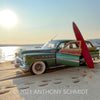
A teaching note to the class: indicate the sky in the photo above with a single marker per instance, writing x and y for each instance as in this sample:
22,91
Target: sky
38,21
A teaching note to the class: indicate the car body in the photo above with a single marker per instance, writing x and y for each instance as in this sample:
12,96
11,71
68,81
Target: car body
53,53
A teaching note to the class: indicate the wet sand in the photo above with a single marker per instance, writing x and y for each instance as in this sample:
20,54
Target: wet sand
16,85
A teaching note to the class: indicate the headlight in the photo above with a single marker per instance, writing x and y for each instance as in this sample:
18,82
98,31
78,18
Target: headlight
24,59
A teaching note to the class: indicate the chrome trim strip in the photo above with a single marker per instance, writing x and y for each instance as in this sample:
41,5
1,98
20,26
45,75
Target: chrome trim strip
46,59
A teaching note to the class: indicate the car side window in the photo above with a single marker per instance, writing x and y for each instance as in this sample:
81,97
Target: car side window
75,46
68,46
88,45
61,45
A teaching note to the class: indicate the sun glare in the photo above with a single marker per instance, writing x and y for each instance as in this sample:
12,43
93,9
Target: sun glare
8,53
7,18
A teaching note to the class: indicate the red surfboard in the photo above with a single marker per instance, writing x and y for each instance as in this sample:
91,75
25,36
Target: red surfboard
85,51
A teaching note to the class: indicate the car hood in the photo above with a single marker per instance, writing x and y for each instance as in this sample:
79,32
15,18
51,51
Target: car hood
37,51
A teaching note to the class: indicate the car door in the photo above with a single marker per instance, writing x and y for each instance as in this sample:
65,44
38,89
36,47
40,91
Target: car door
70,54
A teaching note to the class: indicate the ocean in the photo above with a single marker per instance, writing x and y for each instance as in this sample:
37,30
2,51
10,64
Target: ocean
7,53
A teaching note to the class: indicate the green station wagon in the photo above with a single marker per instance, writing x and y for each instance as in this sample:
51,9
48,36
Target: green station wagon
53,53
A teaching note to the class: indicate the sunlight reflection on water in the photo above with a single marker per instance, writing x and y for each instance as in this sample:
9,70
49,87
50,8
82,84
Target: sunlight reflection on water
7,53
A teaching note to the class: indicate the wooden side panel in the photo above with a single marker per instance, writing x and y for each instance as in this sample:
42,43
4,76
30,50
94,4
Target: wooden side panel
76,52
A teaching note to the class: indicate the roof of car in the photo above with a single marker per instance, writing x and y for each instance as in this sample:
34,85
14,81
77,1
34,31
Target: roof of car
62,40
66,40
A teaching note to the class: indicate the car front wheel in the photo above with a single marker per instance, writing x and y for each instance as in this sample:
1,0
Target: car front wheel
38,67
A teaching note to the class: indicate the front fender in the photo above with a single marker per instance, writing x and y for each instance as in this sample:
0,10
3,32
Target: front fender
47,58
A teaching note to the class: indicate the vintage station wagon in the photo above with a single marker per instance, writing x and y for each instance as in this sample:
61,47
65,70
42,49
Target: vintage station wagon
53,53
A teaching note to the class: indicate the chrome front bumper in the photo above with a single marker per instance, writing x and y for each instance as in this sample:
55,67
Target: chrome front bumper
25,68
21,65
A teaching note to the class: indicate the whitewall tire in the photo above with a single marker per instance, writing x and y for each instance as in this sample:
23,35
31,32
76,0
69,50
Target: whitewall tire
38,67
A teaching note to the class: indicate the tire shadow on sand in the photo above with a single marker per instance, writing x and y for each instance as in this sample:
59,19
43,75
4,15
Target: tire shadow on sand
24,88
10,86
29,83
43,85
4,91
75,79
46,80
57,82
7,87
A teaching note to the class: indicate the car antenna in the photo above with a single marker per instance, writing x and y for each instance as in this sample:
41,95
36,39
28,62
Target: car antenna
54,37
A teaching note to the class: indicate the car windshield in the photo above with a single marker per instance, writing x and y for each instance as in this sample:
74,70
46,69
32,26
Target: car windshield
50,45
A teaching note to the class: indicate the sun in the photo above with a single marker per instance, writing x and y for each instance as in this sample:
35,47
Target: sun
8,18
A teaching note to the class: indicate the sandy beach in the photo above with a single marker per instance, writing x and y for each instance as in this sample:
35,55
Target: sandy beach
56,83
